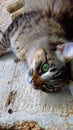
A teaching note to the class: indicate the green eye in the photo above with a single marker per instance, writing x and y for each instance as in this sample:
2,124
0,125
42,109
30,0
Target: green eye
45,67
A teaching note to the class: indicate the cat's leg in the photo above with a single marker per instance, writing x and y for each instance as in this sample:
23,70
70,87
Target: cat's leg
3,52
18,48
4,44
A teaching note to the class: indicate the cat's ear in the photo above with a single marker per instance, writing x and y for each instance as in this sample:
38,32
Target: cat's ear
65,51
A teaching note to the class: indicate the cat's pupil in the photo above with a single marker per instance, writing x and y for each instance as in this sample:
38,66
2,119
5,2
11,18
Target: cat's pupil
45,67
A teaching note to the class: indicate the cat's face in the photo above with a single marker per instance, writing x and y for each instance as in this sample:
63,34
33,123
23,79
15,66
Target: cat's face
49,72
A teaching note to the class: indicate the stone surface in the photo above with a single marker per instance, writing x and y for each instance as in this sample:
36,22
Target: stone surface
20,102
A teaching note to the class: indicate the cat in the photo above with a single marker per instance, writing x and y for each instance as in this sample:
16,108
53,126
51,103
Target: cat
43,36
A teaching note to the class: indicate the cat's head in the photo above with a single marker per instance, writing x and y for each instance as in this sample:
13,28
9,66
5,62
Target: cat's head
49,71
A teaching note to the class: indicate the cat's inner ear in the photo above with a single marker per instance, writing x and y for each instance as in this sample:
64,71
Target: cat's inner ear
65,51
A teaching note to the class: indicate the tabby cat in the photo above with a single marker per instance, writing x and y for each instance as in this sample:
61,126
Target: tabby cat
43,37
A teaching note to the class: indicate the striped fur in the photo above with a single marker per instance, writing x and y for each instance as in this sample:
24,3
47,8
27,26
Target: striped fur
34,36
